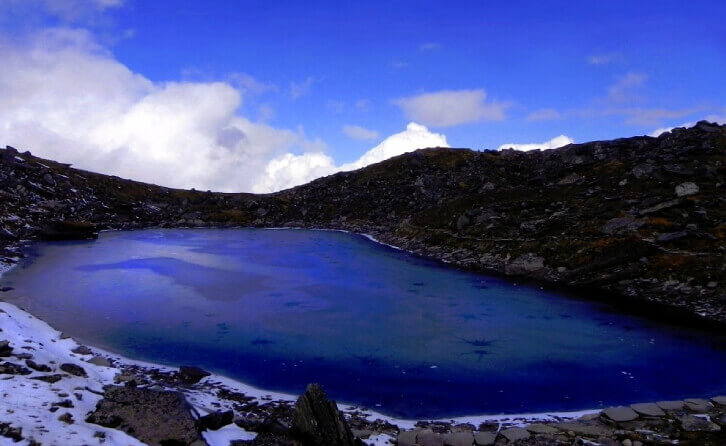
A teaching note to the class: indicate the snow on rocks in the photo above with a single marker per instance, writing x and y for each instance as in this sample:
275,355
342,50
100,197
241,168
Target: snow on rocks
28,403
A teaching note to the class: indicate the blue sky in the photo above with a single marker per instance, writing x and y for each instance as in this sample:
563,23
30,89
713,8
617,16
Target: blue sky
480,73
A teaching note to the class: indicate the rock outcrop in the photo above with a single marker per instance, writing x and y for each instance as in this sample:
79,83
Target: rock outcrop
639,221
317,421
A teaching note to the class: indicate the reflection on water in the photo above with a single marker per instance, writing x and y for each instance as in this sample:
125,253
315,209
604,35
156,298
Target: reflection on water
378,327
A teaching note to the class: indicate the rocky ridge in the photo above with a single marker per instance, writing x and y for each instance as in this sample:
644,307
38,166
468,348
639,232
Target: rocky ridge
637,221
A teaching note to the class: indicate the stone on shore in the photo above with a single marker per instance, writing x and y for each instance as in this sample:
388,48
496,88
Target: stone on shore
191,374
152,416
671,405
73,369
648,409
691,423
620,414
459,439
317,421
515,434
485,438
215,420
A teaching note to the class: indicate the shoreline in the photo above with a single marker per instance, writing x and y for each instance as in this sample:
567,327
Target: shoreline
345,406
205,397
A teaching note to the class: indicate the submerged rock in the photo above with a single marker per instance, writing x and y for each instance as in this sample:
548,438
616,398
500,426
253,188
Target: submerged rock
318,422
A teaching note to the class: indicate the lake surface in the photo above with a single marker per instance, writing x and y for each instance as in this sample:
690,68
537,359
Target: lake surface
376,326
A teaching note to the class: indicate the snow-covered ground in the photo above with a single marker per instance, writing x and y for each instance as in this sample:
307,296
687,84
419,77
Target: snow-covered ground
26,402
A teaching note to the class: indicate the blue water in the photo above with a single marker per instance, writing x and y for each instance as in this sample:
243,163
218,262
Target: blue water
376,326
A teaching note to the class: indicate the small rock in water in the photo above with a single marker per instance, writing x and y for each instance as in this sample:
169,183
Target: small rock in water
191,374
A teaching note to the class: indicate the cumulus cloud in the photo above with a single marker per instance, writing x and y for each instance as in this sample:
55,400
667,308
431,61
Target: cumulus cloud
451,107
291,170
557,141
358,132
65,97
544,114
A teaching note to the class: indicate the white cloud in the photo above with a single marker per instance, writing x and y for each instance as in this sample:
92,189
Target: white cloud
300,89
429,46
622,90
451,107
603,59
291,170
557,141
65,10
66,98
358,132
416,136
362,104
717,118
544,114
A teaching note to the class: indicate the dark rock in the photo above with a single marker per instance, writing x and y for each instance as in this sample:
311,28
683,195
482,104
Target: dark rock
66,418
153,417
215,420
49,378
37,367
68,230
82,350
13,433
5,349
318,422
73,369
8,368
191,374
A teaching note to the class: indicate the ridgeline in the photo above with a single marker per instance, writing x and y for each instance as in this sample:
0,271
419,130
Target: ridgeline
637,221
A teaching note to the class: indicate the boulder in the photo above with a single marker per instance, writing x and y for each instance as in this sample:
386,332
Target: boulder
318,422
190,374
152,416
8,368
691,423
68,230
5,349
525,264
73,369
215,420
620,414
686,189
648,409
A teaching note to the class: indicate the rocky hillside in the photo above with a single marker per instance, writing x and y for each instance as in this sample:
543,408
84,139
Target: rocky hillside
636,220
